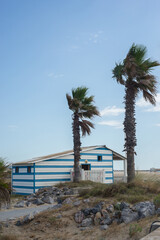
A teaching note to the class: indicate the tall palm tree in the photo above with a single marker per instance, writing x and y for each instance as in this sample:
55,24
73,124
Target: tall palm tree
4,186
135,74
82,107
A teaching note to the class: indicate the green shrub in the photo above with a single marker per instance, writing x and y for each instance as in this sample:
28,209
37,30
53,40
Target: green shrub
156,201
134,229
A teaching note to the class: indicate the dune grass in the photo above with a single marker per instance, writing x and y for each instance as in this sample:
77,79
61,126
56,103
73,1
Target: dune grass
143,188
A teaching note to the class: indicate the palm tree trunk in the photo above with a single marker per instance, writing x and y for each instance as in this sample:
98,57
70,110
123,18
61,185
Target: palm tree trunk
130,129
77,147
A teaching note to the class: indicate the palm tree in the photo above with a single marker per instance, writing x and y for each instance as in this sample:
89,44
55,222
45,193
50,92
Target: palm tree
4,186
135,74
82,107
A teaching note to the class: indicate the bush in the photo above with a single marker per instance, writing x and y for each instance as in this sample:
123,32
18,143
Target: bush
156,201
133,229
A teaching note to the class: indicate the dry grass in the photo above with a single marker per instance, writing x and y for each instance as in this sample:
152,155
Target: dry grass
8,237
141,189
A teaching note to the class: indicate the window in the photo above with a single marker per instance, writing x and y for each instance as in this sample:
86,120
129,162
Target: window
16,169
28,169
99,157
86,167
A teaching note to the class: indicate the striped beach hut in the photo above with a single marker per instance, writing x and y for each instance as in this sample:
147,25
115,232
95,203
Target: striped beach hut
96,164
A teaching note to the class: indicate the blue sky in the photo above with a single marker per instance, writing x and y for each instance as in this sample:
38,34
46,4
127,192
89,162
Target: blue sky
49,47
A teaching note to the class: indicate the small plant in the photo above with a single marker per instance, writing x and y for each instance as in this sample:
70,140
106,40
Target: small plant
134,229
156,201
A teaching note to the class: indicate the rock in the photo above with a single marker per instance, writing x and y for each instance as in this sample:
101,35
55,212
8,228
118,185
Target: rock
28,204
104,213
106,221
124,205
97,218
104,227
18,223
59,200
39,201
67,201
28,218
48,200
110,208
57,206
87,222
158,211
78,217
20,204
86,200
59,216
87,211
145,209
127,215
77,203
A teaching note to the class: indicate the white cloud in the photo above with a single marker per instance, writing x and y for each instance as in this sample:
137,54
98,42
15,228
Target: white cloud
158,124
13,127
52,75
112,123
149,107
96,37
111,111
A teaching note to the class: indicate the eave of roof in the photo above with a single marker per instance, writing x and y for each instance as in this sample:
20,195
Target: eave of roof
116,156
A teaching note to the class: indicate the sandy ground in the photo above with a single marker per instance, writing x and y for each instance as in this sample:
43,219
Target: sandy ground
60,225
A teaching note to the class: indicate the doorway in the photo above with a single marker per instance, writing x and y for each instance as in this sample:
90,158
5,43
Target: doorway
86,167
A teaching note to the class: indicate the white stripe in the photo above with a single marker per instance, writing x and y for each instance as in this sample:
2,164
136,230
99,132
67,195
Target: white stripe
25,177
108,174
23,184
50,176
96,151
39,184
67,157
56,163
52,169
22,190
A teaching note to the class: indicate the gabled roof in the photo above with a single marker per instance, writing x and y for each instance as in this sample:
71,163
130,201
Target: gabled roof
116,156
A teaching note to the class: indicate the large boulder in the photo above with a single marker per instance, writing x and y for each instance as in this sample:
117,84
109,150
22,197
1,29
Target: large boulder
145,209
48,200
20,204
127,215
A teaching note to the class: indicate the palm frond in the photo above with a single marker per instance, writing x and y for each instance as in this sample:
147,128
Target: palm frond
149,97
85,127
79,93
118,73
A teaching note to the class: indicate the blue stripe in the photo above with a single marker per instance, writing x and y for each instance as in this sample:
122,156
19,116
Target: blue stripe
108,172
23,180
101,166
52,180
96,154
81,160
49,173
101,149
28,165
53,166
19,174
109,178
22,187
19,193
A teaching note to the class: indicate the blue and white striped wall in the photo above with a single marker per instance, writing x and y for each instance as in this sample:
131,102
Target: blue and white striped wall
52,171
